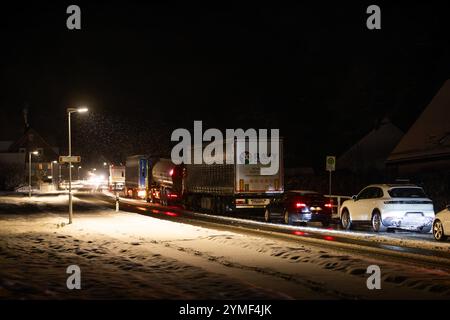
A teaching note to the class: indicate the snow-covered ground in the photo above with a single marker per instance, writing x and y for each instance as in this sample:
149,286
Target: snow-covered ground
129,256
399,238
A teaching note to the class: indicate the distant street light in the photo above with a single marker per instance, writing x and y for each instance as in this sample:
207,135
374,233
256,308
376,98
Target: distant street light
29,167
69,112
79,167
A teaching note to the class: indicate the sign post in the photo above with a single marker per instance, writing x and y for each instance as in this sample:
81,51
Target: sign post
117,196
70,159
330,167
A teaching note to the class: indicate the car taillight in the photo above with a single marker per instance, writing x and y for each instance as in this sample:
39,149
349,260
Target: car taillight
328,205
173,195
300,205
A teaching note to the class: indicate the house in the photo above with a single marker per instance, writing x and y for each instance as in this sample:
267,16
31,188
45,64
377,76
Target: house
14,159
426,145
370,153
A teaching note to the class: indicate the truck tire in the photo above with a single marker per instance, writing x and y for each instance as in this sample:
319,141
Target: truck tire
221,206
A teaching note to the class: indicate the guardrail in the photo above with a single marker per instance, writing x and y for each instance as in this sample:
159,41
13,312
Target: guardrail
337,201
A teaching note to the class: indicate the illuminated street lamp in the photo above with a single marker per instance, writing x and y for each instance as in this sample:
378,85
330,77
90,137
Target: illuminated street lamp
79,167
69,112
29,167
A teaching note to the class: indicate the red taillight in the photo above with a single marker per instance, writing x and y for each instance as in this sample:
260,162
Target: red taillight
300,205
328,205
172,195
171,172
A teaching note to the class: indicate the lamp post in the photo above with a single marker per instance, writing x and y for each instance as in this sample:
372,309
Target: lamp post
29,173
78,175
69,112
60,175
53,173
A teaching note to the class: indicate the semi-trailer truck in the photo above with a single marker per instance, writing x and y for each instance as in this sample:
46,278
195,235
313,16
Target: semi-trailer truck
136,176
152,179
217,187
226,187
116,177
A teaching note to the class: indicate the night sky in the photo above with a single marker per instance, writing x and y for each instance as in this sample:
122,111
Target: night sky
313,71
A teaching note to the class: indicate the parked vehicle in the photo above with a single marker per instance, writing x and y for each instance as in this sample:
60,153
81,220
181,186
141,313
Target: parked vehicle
441,225
389,206
222,188
215,187
152,179
116,177
300,206
164,181
136,176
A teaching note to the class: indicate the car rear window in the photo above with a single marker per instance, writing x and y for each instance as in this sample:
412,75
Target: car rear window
309,197
407,193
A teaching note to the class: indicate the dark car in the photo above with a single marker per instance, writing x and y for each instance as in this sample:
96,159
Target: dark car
300,206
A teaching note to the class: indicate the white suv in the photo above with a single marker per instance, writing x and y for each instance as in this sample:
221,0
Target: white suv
389,206
441,225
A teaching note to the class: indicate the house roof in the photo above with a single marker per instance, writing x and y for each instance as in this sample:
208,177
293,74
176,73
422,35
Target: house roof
429,136
373,149
31,140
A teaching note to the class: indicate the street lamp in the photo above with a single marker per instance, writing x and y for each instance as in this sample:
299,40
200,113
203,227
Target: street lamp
69,112
29,167
79,167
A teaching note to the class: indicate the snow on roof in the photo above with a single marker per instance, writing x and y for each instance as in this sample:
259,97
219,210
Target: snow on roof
429,136
373,149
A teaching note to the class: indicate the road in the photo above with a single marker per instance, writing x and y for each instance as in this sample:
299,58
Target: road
171,253
401,244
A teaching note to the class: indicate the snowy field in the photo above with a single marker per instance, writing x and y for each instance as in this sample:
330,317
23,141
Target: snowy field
129,256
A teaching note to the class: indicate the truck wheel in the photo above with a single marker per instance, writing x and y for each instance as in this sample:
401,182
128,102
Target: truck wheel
221,206
267,216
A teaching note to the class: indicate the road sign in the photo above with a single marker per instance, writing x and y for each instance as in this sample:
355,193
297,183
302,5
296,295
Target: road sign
331,163
73,159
